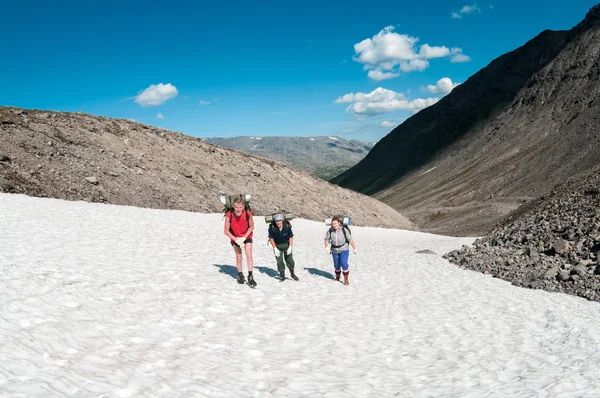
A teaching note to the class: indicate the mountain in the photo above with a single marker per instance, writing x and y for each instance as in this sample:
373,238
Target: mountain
97,159
511,132
324,157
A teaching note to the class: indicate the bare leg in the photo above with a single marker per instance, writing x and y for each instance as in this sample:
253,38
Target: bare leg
249,261
238,257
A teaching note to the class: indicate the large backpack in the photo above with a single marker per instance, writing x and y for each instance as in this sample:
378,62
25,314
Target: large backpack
273,225
344,225
227,201
344,228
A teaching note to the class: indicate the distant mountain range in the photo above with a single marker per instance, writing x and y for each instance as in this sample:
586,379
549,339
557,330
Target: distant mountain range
324,157
511,132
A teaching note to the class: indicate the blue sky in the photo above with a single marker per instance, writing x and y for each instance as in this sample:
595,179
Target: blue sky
353,69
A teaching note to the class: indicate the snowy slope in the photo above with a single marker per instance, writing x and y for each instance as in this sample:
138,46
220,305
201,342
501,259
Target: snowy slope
100,300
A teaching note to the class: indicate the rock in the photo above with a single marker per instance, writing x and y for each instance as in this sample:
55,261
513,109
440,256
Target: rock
529,237
541,246
563,275
551,273
187,173
531,252
113,174
5,185
92,180
580,270
426,251
561,246
4,157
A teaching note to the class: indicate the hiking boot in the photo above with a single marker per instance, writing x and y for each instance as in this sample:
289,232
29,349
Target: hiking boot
294,277
241,280
337,275
346,282
281,276
251,281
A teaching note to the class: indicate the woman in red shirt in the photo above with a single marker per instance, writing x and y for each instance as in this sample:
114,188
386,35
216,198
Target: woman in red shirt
238,228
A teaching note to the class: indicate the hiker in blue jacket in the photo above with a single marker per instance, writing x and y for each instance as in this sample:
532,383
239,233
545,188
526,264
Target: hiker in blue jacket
281,238
340,238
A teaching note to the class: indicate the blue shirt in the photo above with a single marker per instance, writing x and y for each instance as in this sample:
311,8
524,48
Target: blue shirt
282,236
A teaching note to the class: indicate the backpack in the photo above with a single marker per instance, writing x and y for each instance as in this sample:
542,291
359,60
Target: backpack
286,223
227,201
344,228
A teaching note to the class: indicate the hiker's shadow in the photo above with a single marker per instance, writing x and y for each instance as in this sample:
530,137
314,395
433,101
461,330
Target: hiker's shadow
318,272
228,270
269,271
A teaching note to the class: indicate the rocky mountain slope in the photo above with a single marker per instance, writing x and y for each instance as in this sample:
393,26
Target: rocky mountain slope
551,243
511,132
82,157
324,157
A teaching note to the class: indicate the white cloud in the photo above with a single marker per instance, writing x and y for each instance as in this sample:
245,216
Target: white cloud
460,58
415,64
388,53
468,9
380,94
443,86
160,116
156,94
386,123
426,51
378,74
202,102
381,101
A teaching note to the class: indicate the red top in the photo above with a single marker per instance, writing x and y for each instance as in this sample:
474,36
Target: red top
239,225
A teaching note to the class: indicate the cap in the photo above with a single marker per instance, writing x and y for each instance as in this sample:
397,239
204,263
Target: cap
278,217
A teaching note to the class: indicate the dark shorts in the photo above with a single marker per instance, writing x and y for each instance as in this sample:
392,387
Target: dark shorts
249,240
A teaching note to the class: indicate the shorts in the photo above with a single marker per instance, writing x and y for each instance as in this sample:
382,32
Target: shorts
249,240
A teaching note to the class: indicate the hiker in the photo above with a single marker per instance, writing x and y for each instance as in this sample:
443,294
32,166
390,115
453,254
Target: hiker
339,236
238,228
281,238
